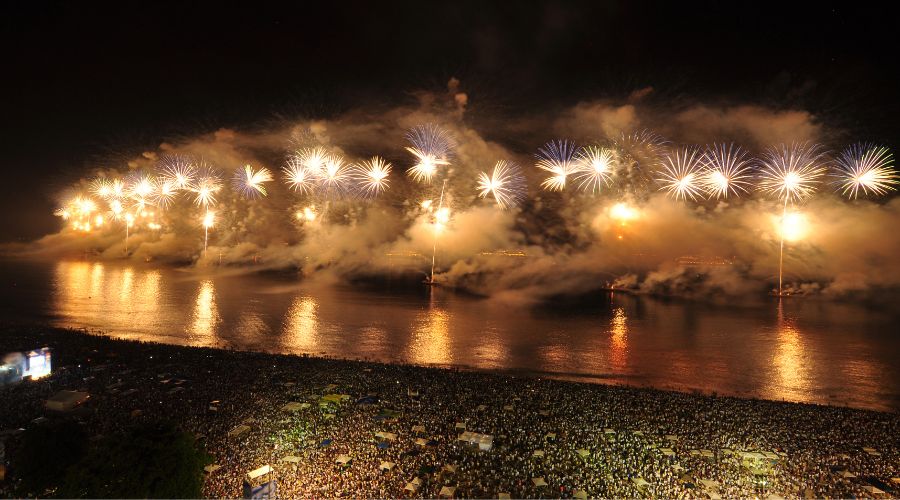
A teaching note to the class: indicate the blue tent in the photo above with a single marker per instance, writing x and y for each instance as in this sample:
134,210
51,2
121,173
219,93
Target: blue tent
265,490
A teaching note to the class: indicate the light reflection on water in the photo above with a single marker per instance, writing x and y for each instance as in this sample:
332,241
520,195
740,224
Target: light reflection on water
800,350
205,318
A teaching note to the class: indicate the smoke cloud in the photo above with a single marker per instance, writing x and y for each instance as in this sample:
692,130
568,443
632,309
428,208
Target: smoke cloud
555,243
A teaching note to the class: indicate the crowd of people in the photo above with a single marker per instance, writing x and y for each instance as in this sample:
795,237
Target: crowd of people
331,428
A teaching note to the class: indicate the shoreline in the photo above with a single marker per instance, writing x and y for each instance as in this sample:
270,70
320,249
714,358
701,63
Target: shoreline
609,380
624,432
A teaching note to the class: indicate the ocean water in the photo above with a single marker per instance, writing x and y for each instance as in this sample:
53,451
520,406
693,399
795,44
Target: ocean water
795,349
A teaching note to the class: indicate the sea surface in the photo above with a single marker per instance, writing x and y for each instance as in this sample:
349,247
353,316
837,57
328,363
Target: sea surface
795,349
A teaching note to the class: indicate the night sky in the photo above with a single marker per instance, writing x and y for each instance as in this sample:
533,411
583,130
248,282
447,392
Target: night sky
83,82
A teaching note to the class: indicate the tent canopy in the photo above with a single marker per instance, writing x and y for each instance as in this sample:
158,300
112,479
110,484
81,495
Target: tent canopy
255,473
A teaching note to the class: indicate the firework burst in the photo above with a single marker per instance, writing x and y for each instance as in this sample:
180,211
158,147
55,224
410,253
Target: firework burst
680,176
557,158
505,183
313,160
298,176
432,147
726,171
205,189
594,168
335,176
372,175
102,187
867,168
792,173
178,170
251,183
165,193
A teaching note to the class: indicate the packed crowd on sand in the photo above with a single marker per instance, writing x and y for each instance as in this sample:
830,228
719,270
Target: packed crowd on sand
366,430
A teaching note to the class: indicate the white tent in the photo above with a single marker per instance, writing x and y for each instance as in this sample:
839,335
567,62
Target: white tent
387,436
538,453
413,485
212,468
291,458
294,406
483,441
419,428
582,452
447,491
667,452
461,425
640,483
343,459
386,466
239,430
538,482
255,473
66,400
449,468
580,494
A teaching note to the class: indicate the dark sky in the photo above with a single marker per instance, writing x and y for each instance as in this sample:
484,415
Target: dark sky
86,80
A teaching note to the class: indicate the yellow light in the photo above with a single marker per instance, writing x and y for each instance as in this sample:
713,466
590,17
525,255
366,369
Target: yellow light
129,220
426,205
623,213
98,220
442,216
307,214
794,226
209,219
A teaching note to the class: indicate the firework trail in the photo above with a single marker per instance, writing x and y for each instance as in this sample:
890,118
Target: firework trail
680,176
727,170
867,168
505,183
557,158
